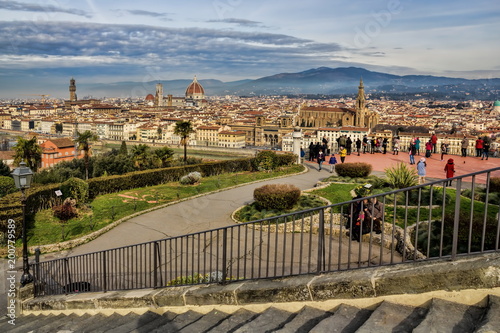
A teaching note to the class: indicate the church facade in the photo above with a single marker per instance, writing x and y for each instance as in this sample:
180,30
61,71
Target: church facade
360,116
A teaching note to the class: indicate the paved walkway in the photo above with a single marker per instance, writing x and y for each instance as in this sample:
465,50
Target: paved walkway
214,210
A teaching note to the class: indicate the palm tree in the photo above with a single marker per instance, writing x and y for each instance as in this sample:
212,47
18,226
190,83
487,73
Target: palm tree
83,141
28,151
184,129
164,156
140,156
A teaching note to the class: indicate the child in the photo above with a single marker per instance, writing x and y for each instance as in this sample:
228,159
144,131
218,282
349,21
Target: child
421,170
449,168
332,162
343,154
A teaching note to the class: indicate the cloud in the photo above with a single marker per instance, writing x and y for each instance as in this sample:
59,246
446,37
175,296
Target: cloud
239,22
146,13
31,7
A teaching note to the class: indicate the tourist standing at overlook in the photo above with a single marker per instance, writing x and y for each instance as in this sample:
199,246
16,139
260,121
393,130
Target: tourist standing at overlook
348,145
395,146
486,149
417,145
428,148
412,151
358,146
464,144
479,147
384,145
434,140
449,168
421,170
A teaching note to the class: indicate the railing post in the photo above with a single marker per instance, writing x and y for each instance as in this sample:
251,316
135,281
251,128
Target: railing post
155,265
456,221
321,241
36,272
104,272
224,255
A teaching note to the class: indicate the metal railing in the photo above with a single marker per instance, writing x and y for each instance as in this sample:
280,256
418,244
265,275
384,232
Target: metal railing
424,222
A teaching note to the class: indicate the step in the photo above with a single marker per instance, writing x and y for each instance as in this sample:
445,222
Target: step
345,318
446,316
305,320
134,322
31,323
234,321
491,320
179,322
269,320
392,317
161,321
206,323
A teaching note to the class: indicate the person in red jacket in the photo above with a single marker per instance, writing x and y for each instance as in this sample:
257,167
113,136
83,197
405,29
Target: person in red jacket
434,140
449,168
479,147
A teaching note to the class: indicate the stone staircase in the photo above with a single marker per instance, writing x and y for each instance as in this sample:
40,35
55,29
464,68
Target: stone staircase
435,315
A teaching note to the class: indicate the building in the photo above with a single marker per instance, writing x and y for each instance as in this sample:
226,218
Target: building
341,116
57,150
231,139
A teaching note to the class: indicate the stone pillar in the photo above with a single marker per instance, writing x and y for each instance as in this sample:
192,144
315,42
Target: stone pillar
297,138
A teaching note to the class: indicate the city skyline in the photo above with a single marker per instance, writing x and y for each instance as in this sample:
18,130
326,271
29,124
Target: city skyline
105,42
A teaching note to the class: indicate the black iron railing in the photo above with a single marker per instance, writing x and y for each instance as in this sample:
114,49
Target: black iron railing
422,222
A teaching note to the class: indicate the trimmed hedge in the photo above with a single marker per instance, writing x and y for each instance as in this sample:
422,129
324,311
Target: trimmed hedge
353,170
277,196
495,184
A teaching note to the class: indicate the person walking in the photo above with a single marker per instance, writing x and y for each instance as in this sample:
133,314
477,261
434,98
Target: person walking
449,169
321,158
464,144
343,154
421,170
412,151
332,161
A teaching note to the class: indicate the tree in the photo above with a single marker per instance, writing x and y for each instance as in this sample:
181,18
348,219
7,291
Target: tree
59,127
140,156
164,155
4,169
83,141
159,131
184,129
28,151
123,149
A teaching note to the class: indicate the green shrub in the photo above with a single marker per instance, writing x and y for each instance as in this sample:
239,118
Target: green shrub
7,186
353,170
265,160
401,176
191,178
77,189
277,196
495,184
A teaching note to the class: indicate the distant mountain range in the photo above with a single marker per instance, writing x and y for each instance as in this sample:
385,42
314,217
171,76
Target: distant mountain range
319,81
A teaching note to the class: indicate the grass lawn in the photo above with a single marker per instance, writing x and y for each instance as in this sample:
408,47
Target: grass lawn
46,229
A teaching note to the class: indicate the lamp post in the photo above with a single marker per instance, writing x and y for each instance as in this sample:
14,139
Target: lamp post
22,177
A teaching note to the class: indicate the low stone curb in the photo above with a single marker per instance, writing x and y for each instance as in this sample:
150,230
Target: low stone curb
471,272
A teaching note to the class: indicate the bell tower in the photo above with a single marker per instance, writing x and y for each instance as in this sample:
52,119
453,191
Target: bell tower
72,90
360,105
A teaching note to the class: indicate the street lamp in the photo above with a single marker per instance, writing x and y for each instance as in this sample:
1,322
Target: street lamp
22,178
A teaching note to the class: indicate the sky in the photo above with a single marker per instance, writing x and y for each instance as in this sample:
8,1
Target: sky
45,43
